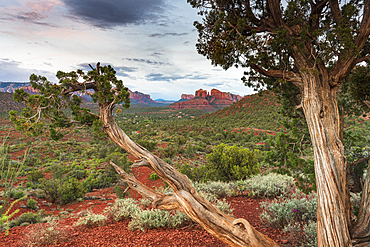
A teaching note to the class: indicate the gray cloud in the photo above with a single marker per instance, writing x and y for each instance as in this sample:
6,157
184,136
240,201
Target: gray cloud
107,14
147,61
120,70
162,77
11,71
30,17
162,35
213,84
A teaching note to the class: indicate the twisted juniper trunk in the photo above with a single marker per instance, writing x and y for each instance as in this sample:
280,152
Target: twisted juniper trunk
232,231
320,108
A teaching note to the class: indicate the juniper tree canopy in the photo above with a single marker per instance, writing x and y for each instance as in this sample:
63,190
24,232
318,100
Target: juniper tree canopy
310,47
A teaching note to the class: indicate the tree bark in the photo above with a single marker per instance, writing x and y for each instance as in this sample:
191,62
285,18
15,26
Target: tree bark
334,210
230,230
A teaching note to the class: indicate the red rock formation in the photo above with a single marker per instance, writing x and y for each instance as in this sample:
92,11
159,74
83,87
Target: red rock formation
186,97
140,98
201,93
217,100
198,103
217,94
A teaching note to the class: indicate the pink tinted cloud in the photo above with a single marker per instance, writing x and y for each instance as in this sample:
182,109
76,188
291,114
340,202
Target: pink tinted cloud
43,6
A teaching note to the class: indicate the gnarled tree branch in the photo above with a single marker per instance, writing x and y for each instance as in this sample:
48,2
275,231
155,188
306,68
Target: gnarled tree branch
287,75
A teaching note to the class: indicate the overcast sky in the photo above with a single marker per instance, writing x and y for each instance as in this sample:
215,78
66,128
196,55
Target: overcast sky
150,43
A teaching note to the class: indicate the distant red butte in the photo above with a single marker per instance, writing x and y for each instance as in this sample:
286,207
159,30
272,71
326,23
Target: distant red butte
140,98
205,101
185,97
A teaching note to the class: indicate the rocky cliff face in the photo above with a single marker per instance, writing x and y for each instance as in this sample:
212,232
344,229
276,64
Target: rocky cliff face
140,98
207,102
10,87
185,97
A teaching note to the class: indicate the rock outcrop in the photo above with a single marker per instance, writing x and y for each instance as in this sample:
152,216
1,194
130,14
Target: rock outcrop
205,101
185,97
140,98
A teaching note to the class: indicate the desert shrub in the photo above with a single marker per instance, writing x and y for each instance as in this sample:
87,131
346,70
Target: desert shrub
46,234
70,190
154,218
284,211
32,160
63,192
120,160
167,152
189,151
270,185
148,144
31,203
50,188
179,139
101,179
302,234
153,176
29,217
58,171
218,188
78,174
120,192
227,163
91,220
18,194
194,173
35,176
122,209
221,204
145,202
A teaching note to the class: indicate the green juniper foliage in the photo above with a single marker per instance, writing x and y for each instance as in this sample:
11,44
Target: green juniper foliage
49,106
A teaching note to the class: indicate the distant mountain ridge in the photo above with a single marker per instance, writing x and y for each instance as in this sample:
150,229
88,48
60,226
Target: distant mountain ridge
135,97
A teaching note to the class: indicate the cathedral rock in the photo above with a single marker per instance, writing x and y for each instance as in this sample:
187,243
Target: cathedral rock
205,101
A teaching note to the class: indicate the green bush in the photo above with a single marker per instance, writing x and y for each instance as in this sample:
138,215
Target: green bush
50,187
228,163
180,140
120,192
18,194
91,220
217,188
284,211
194,173
70,190
155,218
29,217
270,185
35,176
302,234
78,174
149,145
122,209
153,177
63,192
31,203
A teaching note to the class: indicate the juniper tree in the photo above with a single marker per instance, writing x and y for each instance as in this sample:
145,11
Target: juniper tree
310,46
58,107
